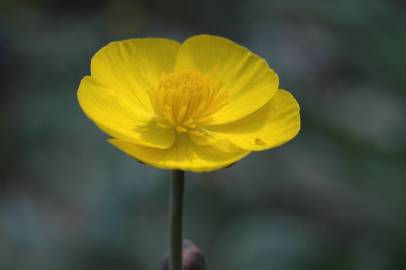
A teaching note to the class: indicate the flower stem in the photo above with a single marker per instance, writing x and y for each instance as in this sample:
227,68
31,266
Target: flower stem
175,222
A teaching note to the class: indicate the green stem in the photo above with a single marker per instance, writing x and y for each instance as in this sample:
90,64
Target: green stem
175,222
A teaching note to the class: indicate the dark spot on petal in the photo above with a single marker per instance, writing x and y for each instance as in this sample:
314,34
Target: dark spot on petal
258,141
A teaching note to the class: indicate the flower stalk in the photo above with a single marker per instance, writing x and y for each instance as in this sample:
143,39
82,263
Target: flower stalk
175,219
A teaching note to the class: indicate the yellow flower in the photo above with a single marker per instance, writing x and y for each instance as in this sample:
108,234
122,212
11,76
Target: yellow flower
199,106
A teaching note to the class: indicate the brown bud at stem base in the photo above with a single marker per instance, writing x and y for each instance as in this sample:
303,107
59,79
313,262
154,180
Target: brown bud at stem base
193,257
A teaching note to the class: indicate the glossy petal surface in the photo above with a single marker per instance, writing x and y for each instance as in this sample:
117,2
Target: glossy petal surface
184,154
246,77
275,123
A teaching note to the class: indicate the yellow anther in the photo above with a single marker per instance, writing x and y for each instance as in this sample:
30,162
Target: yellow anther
181,129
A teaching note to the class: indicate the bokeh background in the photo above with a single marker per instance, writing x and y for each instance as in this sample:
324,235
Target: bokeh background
334,198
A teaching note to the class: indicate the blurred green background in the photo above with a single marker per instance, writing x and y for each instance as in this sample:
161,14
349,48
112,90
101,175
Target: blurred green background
333,198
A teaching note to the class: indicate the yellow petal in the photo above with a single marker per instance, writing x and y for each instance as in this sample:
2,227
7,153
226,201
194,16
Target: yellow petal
274,124
183,155
132,67
116,116
247,78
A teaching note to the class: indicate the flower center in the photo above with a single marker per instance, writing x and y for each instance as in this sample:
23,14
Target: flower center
185,100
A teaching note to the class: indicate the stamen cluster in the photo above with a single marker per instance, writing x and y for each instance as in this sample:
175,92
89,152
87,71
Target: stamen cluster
185,100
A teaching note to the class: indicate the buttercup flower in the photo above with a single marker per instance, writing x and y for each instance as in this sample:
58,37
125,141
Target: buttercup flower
199,106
